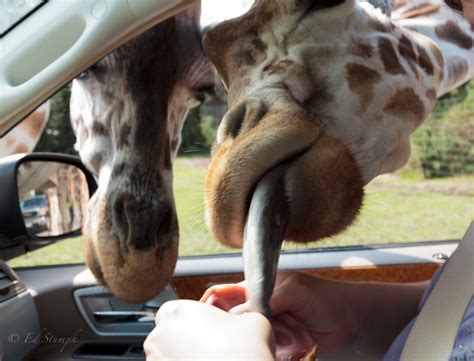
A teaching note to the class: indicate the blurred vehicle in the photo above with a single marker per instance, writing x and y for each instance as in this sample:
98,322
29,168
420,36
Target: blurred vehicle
35,211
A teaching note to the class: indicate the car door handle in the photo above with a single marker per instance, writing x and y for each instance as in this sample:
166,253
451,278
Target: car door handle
123,316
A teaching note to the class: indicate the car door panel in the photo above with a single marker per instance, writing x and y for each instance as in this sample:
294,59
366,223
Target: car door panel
63,312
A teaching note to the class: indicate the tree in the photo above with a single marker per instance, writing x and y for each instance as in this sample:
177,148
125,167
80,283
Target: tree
58,136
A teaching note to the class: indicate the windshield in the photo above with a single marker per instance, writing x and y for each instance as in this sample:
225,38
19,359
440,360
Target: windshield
12,12
34,202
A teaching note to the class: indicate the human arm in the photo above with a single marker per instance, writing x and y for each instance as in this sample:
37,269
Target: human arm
364,315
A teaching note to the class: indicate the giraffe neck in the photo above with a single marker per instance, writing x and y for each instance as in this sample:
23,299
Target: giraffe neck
396,69
451,33
25,136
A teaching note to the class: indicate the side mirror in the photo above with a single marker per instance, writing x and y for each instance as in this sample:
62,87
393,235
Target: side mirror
43,197
53,197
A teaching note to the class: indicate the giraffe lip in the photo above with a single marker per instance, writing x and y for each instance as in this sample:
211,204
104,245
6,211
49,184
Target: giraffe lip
237,166
236,240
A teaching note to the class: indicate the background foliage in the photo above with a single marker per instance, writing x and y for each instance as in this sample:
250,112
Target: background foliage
58,136
444,145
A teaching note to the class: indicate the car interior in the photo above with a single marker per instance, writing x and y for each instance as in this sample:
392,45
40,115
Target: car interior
61,312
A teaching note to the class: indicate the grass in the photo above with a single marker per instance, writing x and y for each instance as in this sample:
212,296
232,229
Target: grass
397,209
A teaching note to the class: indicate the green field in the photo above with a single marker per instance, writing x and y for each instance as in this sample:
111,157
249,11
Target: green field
396,209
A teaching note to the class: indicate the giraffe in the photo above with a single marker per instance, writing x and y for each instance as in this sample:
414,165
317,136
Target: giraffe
332,89
323,97
24,137
127,112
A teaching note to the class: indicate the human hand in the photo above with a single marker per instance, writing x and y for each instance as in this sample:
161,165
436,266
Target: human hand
318,305
188,329
335,314
327,308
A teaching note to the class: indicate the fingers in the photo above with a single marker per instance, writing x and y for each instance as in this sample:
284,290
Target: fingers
224,297
288,294
232,297
189,329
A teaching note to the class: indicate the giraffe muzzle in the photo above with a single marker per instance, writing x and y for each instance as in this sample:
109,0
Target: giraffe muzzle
131,242
322,182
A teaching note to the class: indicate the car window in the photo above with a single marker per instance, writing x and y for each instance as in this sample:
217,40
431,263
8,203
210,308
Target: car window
13,12
35,201
430,199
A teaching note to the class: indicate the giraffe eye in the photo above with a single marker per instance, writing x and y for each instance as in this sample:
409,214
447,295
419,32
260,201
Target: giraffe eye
84,75
203,93
454,4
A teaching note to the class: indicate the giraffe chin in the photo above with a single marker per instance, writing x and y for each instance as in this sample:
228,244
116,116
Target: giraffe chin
323,184
132,275
137,278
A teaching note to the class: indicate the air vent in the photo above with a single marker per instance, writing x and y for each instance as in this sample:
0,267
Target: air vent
10,284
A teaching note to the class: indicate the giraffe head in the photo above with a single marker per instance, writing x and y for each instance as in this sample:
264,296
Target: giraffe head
127,112
333,90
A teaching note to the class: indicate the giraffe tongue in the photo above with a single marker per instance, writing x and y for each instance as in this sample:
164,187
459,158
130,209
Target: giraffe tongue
263,236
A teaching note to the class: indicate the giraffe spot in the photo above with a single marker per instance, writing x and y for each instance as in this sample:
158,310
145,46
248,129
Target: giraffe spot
119,169
424,60
431,94
21,148
405,48
453,33
389,57
457,70
98,129
437,54
358,49
361,80
123,136
406,104
96,161
420,9
263,15
382,26
244,57
259,45
34,123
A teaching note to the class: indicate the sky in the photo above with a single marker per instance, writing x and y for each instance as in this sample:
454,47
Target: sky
214,11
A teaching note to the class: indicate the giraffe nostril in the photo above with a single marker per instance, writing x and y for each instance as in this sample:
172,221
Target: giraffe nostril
119,218
165,224
141,222
241,117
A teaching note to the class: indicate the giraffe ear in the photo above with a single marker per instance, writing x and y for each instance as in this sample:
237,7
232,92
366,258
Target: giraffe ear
216,47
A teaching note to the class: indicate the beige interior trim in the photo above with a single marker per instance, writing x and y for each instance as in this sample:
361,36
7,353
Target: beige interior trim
434,332
61,39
